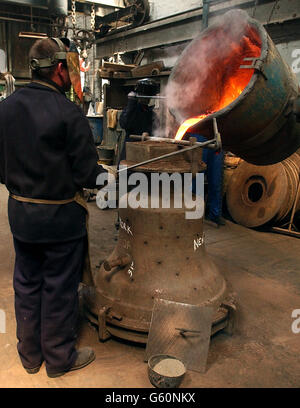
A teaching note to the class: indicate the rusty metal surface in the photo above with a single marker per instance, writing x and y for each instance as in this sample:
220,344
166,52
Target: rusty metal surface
137,152
231,162
223,319
181,330
141,151
256,194
168,260
252,126
260,194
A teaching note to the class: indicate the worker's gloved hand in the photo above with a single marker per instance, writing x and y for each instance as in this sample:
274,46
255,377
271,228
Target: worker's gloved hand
132,95
111,169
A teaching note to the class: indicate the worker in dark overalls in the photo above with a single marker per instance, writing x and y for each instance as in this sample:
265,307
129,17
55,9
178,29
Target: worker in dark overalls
138,117
214,174
47,155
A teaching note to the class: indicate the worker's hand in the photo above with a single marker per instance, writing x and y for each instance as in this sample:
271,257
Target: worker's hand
111,169
132,95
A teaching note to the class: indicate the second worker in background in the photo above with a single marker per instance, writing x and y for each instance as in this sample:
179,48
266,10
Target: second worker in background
139,117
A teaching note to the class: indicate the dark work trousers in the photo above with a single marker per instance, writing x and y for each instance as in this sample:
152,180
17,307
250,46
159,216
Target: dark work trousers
214,172
46,280
215,163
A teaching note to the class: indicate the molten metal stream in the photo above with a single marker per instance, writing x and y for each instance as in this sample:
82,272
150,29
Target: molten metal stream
188,124
230,86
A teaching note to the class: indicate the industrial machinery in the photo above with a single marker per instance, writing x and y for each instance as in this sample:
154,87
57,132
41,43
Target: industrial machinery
264,194
134,13
230,78
234,73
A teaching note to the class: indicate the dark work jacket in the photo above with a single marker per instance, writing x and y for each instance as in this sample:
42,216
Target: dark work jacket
46,152
137,119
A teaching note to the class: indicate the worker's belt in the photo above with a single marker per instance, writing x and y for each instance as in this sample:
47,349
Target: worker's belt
87,276
39,201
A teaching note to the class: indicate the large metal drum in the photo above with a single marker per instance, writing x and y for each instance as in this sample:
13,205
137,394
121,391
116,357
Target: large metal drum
258,195
259,124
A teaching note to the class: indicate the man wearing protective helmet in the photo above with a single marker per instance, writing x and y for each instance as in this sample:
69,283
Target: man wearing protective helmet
47,156
138,117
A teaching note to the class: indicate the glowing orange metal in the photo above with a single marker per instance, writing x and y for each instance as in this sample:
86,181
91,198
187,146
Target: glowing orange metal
233,85
188,124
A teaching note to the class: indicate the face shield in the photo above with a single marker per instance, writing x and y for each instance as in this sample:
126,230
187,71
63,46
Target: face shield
145,90
147,87
67,52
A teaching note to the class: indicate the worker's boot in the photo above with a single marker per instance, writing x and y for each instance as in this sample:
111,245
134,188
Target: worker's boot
33,370
85,356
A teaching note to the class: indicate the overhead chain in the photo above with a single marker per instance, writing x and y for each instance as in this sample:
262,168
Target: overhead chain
93,17
73,16
84,39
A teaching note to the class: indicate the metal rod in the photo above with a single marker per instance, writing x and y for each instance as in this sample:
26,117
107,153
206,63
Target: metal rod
286,232
27,21
163,140
101,4
18,19
209,143
217,134
150,97
10,13
205,13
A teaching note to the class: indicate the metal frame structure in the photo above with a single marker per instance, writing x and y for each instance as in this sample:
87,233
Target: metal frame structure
44,3
183,27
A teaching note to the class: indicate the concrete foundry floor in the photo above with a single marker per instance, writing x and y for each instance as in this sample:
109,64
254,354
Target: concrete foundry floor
262,268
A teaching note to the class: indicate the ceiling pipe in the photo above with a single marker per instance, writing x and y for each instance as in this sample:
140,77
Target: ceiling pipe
56,8
20,20
30,3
